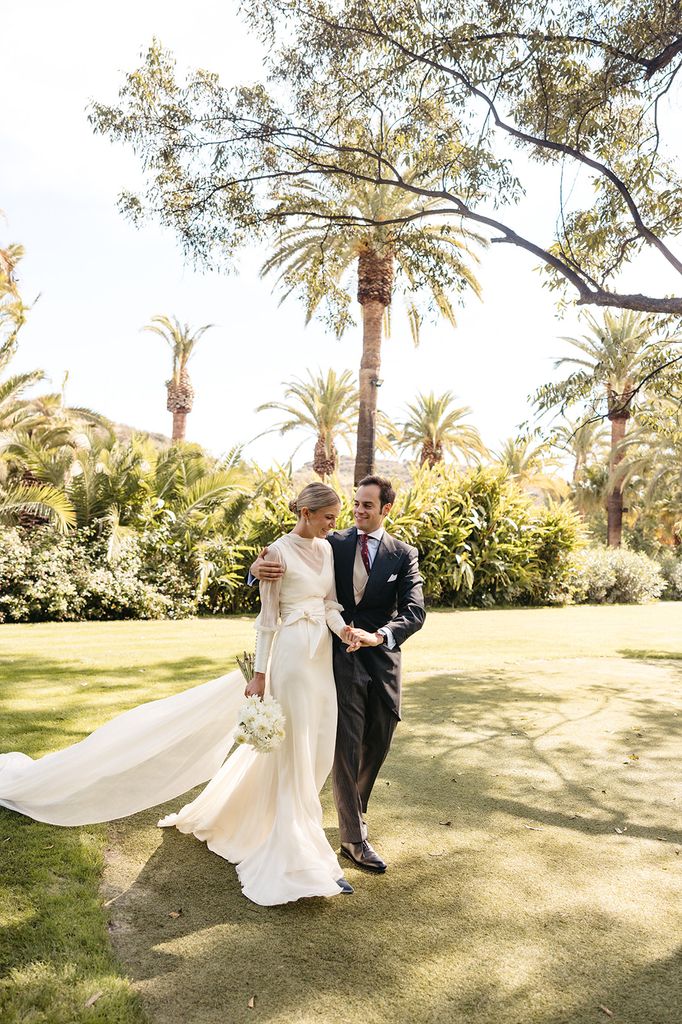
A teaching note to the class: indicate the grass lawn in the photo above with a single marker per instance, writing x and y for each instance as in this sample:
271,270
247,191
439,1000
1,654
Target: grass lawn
530,812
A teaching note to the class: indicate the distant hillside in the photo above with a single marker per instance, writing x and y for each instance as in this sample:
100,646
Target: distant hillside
397,472
124,432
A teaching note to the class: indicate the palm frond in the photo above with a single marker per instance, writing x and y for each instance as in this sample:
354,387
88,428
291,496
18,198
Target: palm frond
40,500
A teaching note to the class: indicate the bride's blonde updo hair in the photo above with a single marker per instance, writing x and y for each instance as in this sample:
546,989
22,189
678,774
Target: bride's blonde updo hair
314,497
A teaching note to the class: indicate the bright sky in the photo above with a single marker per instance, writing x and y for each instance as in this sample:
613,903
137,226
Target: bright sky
100,280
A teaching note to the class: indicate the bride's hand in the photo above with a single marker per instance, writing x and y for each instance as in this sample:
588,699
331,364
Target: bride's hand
256,688
362,638
350,637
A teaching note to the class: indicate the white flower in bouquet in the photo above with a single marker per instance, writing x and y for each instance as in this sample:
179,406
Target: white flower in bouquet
261,724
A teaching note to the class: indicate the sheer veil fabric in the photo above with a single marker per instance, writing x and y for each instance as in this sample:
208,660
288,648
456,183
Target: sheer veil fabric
260,811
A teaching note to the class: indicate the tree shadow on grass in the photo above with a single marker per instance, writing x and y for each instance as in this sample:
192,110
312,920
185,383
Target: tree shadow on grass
497,826
48,669
650,654
514,892
566,771
418,944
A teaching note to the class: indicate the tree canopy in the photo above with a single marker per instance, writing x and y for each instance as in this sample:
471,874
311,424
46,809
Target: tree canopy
476,91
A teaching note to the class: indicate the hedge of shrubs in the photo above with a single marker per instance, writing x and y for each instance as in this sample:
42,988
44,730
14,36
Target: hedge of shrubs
616,576
482,542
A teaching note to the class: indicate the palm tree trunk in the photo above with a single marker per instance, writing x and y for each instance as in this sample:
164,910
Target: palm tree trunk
324,458
372,322
179,424
375,286
31,520
614,501
431,453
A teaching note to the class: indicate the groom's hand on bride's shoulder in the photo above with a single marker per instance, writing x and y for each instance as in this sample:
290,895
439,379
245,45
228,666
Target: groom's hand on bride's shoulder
261,569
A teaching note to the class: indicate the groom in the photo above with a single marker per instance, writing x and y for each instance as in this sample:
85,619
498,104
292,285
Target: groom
380,587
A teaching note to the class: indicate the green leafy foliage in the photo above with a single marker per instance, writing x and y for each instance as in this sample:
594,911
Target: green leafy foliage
483,542
48,577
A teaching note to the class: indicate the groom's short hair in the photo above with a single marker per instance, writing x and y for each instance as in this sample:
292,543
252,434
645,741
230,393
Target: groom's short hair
386,489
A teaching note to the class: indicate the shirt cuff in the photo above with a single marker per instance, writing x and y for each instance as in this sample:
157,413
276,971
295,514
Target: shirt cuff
390,639
250,580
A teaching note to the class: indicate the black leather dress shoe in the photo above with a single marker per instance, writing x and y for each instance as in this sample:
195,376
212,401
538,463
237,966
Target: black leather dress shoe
363,856
345,887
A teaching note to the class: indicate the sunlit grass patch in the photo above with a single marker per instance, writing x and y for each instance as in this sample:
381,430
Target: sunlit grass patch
529,812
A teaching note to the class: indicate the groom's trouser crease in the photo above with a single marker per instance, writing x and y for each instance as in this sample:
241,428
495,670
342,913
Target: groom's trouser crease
365,729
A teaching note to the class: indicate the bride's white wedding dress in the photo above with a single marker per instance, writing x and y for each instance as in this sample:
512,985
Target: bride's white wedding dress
260,811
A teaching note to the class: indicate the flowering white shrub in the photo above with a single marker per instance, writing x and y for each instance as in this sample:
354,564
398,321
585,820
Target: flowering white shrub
671,567
44,576
39,580
616,576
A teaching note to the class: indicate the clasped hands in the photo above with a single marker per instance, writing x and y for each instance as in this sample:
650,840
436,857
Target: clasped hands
357,638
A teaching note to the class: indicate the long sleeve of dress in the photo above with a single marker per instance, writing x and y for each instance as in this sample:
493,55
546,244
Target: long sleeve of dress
332,610
268,619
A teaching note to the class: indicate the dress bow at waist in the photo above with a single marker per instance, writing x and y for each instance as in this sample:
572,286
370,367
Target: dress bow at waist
313,614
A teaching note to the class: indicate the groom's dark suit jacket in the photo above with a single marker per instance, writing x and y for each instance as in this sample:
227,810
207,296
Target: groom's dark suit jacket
393,597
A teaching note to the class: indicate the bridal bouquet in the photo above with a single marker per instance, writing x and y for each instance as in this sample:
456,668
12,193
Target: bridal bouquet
261,722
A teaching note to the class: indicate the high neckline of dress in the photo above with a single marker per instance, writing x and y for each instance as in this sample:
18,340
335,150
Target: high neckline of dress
307,541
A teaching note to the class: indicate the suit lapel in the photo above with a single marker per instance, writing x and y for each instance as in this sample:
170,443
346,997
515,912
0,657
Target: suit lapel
343,562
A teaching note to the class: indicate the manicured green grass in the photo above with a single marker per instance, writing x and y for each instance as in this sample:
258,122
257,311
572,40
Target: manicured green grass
529,811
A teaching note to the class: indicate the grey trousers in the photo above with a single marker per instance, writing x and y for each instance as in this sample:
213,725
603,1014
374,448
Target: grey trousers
365,729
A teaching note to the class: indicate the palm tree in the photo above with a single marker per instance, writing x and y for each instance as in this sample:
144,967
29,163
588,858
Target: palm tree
182,342
434,427
12,387
614,355
324,406
585,442
427,259
36,500
39,444
12,317
9,259
114,486
26,500
188,481
527,462
652,457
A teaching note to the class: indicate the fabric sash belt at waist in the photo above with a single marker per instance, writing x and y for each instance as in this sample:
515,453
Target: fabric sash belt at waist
313,615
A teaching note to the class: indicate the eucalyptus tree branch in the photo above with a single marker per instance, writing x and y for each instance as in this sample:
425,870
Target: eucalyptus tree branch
549,144
589,292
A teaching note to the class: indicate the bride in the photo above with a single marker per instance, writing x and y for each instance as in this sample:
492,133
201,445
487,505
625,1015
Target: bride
260,811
